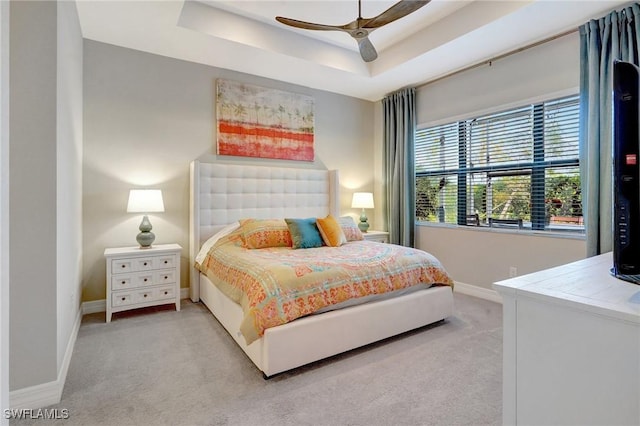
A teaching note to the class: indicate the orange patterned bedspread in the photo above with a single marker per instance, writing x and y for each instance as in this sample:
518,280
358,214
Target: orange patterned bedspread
279,284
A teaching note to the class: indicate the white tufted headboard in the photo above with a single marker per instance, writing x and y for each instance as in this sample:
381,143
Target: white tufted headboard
223,193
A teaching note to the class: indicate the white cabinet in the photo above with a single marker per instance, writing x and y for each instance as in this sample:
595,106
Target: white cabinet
379,236
571,346
137,278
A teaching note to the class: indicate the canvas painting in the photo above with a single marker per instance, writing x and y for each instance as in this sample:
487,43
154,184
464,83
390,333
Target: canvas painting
254,121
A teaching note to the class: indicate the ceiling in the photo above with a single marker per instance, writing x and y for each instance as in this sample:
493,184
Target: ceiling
440,38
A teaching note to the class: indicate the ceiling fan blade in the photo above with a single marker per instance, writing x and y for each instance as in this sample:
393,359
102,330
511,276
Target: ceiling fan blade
397,11
307,25
360,28
367,51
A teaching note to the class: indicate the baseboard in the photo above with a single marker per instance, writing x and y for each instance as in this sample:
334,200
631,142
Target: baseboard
50,393
94,306
475,291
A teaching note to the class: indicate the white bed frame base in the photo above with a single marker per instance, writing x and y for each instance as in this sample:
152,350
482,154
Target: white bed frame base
320,336
314,337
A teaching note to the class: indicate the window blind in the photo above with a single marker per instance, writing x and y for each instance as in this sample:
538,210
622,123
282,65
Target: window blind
517,168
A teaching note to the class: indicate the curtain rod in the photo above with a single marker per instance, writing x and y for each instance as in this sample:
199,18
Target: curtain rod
504,55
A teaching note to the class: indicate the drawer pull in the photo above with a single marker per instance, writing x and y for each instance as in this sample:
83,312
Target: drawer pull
145,295
166,277
145,263
123,282
166,292
145,280
123,266
166,261
124,298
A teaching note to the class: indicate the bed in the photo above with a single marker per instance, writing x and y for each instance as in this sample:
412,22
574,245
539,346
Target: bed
222,194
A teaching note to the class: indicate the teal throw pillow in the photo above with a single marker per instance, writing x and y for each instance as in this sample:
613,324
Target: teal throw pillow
304,233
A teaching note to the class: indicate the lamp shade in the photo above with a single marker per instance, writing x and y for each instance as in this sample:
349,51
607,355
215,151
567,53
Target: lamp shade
362,200
145,201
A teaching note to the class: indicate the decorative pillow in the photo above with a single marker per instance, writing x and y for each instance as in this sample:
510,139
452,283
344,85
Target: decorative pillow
304,233
264,233
350,229
331,231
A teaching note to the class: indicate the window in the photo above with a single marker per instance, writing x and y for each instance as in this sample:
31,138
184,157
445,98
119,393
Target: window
517,168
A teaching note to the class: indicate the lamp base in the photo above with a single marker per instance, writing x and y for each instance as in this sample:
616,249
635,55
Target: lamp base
145,238
363,225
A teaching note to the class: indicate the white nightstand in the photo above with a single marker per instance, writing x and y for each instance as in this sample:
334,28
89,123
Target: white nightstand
378,236
137,278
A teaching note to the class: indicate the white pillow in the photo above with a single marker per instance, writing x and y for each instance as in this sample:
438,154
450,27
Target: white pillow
204,250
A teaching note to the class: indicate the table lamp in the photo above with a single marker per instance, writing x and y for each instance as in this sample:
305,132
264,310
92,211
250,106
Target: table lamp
145,201
362,200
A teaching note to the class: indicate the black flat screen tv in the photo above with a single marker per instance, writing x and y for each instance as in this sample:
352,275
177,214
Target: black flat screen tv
626,171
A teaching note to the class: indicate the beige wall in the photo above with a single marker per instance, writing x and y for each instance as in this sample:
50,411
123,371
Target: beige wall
146,117
45,143
479,257
32,194
68,174
4,207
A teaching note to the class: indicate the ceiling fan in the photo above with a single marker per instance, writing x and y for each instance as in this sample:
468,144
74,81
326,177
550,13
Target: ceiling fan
362,27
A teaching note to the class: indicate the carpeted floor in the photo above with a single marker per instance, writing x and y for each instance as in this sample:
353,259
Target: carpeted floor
162,367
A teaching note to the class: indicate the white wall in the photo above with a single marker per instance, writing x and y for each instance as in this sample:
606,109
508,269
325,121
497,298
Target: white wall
146,117
4,208
481,258
68,175
551,69
45,139
33,194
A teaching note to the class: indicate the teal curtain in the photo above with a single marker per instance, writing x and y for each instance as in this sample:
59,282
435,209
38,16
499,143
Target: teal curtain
399,134
614,36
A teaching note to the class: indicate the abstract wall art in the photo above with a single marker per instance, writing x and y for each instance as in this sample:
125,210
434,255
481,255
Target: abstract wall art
254,121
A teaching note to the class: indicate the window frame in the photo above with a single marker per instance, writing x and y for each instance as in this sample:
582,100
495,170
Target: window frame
536,167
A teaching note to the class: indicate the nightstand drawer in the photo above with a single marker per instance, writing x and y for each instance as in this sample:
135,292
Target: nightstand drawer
119,266
164,277
166,292
121,299
143,264
138,296
142,296
164,262
121,282
377,236
153,294
143,278
132,297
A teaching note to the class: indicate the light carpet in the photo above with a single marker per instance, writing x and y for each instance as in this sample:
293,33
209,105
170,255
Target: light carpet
163,367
